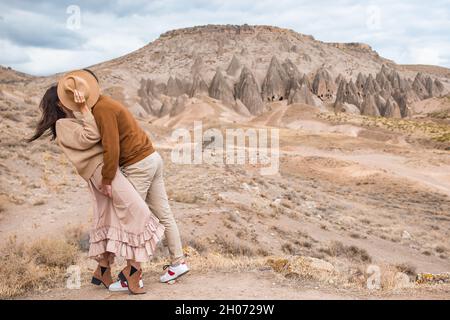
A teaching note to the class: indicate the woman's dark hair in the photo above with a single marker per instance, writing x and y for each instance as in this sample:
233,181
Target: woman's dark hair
91,72
51,112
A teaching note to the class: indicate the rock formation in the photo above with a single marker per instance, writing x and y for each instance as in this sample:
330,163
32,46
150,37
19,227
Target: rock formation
247,91
176,87
240,108
360,82
380,102
276,83
197,66
323,85
199,86
347,93
305,81
392,110
234,67
179,105
385,93
166,107
405,100
419,86
294,75
369,87
220,89
302,94
338,79
147,98
434,88
348,108
369,107
439,87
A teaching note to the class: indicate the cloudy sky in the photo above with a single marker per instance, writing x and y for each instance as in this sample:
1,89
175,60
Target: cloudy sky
44,37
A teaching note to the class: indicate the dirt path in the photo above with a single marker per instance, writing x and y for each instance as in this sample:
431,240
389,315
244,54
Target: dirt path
436,177
244,286
214,285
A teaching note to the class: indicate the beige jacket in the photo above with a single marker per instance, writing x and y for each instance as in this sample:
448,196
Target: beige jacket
79,139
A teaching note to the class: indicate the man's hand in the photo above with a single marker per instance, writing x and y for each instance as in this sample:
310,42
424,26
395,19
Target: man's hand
106,190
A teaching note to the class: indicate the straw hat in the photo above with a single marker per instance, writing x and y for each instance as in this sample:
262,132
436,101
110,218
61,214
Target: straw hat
82,81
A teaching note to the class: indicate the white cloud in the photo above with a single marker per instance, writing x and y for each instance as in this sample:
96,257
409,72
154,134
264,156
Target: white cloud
12,54
407,31
425,56
49,61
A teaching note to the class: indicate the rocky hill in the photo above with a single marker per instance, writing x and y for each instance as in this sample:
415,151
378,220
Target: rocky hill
248,67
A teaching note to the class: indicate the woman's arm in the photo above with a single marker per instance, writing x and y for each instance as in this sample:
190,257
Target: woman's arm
80,133
90,132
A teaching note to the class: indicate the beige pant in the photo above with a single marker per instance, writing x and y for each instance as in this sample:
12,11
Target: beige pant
147,178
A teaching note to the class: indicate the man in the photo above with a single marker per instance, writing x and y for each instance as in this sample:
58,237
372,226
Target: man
127,146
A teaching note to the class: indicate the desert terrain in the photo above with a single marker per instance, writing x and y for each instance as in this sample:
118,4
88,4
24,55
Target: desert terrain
363,181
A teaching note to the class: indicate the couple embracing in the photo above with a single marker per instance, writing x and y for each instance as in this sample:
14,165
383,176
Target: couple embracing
124,173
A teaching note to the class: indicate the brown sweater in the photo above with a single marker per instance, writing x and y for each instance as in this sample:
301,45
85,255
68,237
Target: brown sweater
79,139
124,142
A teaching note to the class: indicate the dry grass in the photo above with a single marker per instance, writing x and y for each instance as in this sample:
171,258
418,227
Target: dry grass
390,277
199,245
185,197
407,268
52,253
288,248
441,114
353,253
441,249
215,261
436,131
445,137
37,266
13,116
234,247
78,236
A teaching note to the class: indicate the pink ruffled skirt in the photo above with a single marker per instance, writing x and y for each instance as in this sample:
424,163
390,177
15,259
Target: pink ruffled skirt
123,225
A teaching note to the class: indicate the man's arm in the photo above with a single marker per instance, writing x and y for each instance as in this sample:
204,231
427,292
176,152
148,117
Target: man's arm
109,132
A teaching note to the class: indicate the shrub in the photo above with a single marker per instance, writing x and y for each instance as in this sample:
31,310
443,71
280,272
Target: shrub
37,266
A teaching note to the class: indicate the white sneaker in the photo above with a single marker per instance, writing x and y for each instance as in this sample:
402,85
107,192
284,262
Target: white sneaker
174,272
120,285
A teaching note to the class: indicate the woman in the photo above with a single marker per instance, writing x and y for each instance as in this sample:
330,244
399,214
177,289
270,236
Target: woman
123,224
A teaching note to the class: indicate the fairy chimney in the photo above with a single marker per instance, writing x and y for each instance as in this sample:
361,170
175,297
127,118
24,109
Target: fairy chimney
220,89
199,86
247,91
323,85
276,83
302,94
369,107
234,66
392,110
